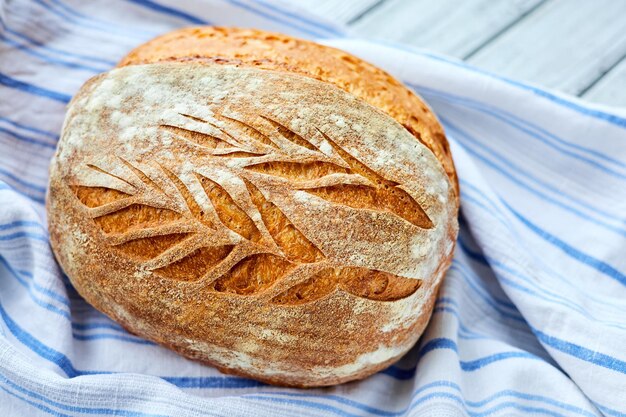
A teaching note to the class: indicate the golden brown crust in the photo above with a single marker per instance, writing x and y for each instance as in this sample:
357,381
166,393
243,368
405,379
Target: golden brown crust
261,221
274,51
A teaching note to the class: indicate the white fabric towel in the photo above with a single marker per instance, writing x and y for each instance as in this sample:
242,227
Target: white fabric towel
531,318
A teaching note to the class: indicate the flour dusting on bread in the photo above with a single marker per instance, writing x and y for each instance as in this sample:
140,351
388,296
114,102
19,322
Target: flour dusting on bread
264,221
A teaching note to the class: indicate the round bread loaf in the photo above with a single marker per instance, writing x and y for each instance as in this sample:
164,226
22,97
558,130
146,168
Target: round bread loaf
276,208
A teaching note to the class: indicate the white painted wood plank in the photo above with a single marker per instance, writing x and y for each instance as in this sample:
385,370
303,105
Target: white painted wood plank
448,26
565,44
341,11
611,89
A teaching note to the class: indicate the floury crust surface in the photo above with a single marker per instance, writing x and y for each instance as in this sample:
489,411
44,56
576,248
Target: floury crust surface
152,156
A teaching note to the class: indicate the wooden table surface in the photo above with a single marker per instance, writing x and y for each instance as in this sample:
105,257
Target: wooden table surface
575,46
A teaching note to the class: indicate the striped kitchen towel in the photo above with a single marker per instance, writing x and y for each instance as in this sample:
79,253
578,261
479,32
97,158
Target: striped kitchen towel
531,318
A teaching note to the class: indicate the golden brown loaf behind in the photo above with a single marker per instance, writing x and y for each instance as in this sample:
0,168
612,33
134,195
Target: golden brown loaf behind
256,202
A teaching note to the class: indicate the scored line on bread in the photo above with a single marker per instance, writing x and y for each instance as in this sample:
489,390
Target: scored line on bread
172,254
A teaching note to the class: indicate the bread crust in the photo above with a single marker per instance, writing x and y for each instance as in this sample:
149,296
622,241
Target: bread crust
275,51
265,222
